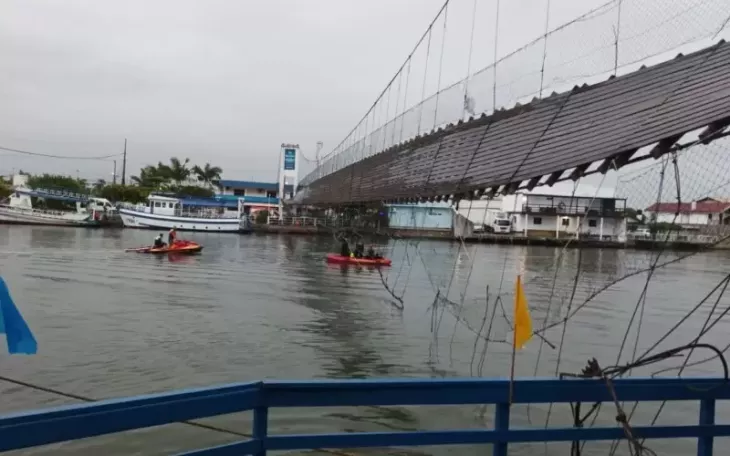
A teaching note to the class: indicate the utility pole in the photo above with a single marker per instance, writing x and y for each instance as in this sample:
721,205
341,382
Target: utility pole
124,163
114,176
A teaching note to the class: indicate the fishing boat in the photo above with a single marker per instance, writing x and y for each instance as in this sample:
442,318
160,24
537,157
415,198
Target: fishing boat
339,259
178,247
186,214
18,209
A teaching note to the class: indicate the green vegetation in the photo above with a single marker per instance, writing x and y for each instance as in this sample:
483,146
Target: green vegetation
173,178
57,182
175,174
4,189
262,217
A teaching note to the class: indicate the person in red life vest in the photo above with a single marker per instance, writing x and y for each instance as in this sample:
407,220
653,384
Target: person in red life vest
171,237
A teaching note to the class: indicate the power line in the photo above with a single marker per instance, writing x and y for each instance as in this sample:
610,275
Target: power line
38,154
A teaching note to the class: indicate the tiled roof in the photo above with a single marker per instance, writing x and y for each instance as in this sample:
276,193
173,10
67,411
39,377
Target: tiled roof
709,207
606,121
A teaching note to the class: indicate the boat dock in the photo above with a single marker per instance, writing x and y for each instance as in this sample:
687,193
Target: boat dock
29,429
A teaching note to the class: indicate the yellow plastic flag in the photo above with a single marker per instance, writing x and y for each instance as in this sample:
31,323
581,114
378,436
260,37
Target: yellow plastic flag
523,322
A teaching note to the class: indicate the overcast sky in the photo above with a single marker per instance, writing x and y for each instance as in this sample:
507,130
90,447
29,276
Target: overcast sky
218,81
226,81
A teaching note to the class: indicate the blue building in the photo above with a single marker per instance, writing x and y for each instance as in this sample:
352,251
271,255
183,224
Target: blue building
257,195
421,216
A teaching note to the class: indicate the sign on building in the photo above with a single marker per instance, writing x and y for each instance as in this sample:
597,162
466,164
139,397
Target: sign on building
290,159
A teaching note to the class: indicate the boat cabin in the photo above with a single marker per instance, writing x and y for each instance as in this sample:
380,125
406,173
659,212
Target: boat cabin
163,205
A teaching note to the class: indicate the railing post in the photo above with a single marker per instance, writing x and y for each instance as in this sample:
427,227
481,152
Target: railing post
501,423
261,427
707,418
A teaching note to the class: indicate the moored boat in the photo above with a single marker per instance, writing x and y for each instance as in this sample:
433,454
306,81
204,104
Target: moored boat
19,209
339,259
185,214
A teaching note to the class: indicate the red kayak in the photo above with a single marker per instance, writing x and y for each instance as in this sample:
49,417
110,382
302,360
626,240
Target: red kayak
339,259
176,247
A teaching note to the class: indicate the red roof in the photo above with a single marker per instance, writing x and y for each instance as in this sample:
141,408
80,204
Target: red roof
700,206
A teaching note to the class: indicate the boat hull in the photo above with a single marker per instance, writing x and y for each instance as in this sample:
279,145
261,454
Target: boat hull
339,259
18,216
143,220
186,250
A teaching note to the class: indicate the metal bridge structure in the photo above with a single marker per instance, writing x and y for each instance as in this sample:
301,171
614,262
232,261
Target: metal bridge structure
647,94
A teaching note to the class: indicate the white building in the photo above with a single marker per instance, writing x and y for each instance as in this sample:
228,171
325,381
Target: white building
707,211
541,215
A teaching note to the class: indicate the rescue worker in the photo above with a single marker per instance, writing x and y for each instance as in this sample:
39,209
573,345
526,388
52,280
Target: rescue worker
171,237
158,241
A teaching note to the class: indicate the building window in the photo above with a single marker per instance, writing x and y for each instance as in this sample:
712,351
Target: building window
239,192
592,223
709,217
566,222
260,190
537,220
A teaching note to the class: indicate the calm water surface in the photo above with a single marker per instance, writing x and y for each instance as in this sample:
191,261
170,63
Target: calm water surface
111,324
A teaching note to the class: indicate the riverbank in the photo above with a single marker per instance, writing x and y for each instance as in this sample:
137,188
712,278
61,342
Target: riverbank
487,238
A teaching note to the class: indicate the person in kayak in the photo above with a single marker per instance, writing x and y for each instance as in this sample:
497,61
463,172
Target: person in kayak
158,241
370,253
171,237
359,250
345,249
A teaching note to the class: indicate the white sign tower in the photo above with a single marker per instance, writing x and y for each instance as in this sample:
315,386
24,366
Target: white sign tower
288,171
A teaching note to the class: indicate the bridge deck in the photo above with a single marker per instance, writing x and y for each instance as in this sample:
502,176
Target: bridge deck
607,121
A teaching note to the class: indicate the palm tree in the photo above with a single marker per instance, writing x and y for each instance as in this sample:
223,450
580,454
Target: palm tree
149,177
177,171
99,184
208,174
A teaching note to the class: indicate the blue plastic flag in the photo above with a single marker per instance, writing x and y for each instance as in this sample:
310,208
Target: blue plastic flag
20,339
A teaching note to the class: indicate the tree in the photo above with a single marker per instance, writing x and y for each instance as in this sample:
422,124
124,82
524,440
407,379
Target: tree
208,174
150,177
5,189
116,193
99,185
57,182
176,171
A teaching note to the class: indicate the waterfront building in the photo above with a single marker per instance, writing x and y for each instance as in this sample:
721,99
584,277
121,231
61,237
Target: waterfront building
556,216
706,211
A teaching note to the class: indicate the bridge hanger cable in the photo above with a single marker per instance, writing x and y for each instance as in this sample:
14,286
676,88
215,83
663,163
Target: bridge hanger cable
406,62
441,66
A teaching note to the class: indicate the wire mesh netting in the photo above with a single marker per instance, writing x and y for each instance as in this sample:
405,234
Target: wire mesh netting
613,38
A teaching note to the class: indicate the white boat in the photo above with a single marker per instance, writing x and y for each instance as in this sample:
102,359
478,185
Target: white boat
19,209
186,214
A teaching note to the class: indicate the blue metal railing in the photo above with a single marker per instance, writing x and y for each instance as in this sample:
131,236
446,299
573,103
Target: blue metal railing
80,421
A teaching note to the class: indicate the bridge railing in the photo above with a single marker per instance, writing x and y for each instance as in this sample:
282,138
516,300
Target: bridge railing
42,427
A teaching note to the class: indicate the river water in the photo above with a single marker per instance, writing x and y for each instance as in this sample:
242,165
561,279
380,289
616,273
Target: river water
111,324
